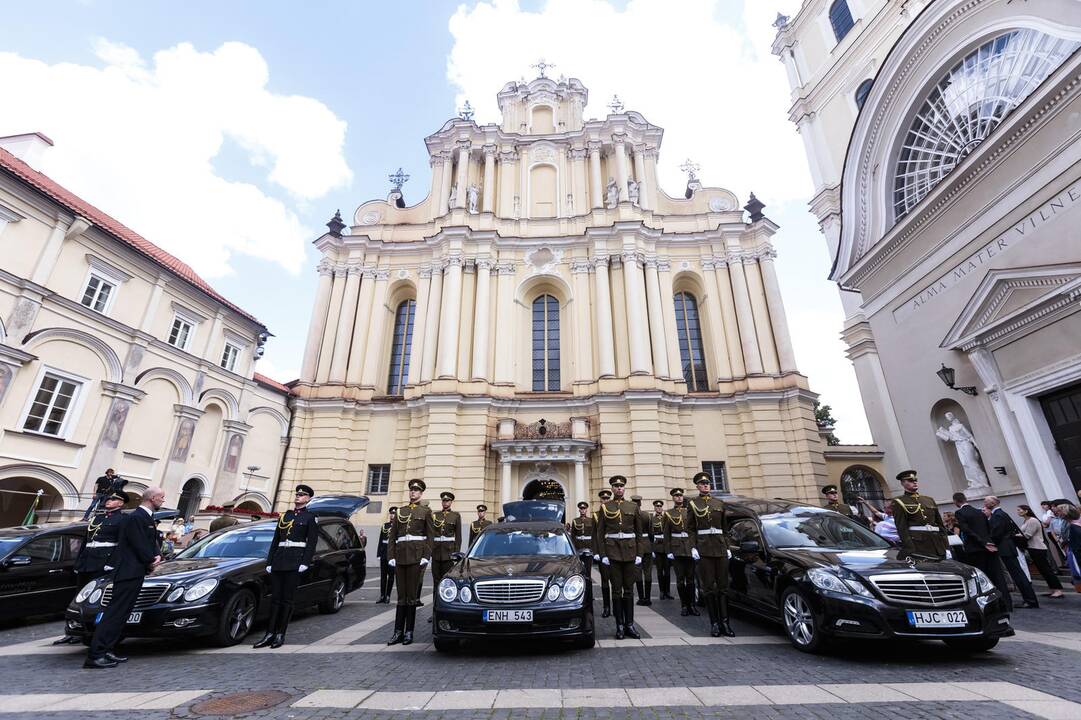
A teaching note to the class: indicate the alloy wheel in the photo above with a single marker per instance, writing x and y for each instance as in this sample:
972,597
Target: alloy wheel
338,599
798,619
243,614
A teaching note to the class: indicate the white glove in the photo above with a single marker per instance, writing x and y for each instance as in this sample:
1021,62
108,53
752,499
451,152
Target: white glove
729,553
637,560
268,568
949,555
604,560
392,562
303,568
671,556
423,562
694,554
597,557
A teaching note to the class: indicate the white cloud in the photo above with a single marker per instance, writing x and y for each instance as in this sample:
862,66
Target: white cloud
139,140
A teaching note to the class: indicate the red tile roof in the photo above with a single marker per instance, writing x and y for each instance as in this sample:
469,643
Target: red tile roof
272,384
124,234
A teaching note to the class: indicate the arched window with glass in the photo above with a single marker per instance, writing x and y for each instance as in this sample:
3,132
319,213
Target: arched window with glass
840,19
545,344
689,330
400,346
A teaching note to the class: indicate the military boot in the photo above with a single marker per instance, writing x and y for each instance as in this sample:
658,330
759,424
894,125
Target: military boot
689,588
684,606
399,625
714,612
410,620
648,599
606,599
619,611
722,616
628,619
267,639
638,589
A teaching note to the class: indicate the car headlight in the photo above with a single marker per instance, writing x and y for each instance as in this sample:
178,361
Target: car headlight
826,580
983,583
85,592
465,594
95,596
175,594
200,589
574,587
448,590
553,593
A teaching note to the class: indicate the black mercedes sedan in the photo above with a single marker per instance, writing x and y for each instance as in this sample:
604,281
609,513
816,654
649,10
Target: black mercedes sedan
218,588
826,577
521,579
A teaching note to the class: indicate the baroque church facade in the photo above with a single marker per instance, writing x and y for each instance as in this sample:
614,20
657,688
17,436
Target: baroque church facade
547,317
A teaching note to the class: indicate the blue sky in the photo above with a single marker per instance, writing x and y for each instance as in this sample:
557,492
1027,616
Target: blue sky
323,99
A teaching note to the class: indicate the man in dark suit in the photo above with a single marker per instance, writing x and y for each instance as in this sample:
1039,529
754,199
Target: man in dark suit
979,551
1003,529
137,551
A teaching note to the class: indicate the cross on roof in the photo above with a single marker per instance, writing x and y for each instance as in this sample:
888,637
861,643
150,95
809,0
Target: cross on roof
542,66
398,179
616,105
466,111
691,168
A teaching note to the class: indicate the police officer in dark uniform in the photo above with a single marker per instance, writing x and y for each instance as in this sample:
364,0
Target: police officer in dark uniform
479,524
660,557
919,523
604,570
677,549
410,550
581,532
386,572
290,555
621,542
710,549
643,576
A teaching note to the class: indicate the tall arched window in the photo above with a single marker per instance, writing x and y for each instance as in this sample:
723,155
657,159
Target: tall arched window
690,342
840,19
863,91
545,344
400,346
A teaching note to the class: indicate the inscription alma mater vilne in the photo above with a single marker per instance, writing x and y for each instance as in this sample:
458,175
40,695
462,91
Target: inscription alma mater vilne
1018,233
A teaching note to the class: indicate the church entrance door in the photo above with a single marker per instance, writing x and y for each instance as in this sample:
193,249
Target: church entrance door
544,489
1063,412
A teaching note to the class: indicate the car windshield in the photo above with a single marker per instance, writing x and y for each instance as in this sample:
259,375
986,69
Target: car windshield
498,543
10,543
244,542
818,529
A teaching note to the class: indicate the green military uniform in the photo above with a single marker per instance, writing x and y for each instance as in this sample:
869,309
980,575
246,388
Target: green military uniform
643,580
707,527
919,523
604,570
660,558
478,525
621,540
386,572
447,540
581,532
677,548
409,548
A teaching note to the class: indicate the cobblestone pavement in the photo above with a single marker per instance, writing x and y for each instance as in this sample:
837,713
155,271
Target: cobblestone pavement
336,666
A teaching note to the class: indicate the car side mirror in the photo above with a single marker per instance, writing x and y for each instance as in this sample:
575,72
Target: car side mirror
18,561
750,547
585,552
456,556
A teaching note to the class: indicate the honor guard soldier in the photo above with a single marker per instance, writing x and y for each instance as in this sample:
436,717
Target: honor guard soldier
918,521
622,541
677,549
447,540
605,572
643,575
710,550
386,572
410,550
833,502
479,524
581,530
290,555
660,557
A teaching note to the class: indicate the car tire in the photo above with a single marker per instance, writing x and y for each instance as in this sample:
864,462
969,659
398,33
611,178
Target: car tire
799,621
445,645
336,599
971,645
237,618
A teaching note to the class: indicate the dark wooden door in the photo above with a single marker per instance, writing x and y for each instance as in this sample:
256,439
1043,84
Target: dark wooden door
1063,412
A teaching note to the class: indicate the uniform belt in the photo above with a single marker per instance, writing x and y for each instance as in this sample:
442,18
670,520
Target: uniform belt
97,544
928,528
679,535
444,538
710,531
408,538
621,536
583,537
292,543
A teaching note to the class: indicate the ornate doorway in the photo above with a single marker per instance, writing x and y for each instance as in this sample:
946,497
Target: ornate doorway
1063,412
544,489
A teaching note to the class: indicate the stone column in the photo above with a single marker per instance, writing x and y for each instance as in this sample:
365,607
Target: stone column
641,175
355,366
480,320
728,318
447,358
606,353
488,200
505,491
463,173
326,350
584,321
151,309
444,190
436,161
504,319
578,195
420,325
637,318
714,313
374,350
748,339
507,179
777,318
656,319
763,331
180,449
580,482
346,320
596,189
431,327
619,141
668,310
317,322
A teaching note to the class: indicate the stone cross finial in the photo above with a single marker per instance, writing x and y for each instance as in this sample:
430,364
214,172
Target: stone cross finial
542,67
466,111
616,105
691,168
398,179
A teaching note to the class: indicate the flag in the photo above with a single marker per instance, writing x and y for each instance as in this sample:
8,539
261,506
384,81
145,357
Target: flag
29,519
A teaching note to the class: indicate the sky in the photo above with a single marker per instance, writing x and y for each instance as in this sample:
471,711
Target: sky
229,133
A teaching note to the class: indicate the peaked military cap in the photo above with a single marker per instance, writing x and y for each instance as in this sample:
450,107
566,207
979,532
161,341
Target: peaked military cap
702,477
583,505
482,506
392,508
119,495
604,494
826,490
636,498
417,484
906,475
306,489
617,480
675,491
658,503
446,495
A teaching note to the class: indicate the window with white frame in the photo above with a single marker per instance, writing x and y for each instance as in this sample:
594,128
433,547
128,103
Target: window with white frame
378,479
52,406
718,475
181,332
229,356
97,293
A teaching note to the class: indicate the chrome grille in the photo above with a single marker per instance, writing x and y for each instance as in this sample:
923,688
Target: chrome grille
925,589
149,594
509,592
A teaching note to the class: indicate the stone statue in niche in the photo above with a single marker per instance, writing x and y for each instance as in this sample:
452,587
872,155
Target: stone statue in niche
612,194
570,204
472,193
964,444
232,454
632,190
453,197
183,440
517,207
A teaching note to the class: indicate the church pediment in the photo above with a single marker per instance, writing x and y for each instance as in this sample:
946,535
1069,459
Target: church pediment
1013,302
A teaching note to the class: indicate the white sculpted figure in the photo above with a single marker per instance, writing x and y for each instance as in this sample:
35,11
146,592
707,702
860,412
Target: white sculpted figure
965,445
632,190
613,193
471,194
453,198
